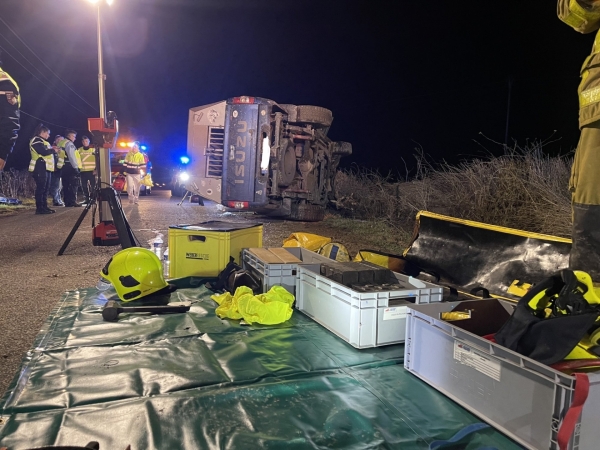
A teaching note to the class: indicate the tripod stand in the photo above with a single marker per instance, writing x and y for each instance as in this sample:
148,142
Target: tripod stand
190,192
106,233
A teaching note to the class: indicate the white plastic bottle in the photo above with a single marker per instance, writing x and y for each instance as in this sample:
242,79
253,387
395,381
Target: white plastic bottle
166,263
103,284
157,243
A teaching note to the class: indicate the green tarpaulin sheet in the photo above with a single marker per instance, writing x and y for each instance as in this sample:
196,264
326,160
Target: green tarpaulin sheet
194,381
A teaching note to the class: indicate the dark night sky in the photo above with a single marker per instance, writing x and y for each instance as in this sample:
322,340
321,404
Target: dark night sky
396,74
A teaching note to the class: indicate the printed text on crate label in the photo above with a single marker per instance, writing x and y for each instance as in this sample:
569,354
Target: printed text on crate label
203,256
466,355
396,312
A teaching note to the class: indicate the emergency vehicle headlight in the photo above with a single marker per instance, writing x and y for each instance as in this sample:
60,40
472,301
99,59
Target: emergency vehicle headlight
183,176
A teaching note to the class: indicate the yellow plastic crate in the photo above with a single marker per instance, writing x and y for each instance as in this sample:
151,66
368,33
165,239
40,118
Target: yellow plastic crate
204,249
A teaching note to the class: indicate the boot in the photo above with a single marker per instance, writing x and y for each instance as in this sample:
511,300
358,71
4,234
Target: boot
39,208
48,209
585,250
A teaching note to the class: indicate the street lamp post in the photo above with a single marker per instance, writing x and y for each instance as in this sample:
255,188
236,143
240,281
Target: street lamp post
101,75
104,157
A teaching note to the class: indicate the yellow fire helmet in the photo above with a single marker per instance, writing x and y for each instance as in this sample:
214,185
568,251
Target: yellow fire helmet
136,272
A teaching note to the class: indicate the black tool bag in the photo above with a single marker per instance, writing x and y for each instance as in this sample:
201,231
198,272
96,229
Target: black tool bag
549,340
232,277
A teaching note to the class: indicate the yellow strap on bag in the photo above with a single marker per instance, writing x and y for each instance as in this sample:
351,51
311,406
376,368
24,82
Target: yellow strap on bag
395,263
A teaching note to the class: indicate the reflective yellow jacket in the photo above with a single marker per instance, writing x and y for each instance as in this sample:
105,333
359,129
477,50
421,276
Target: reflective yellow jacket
62,144
48,159
584,16
88,159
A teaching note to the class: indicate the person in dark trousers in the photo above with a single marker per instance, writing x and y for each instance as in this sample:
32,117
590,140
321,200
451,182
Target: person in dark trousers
55,179
10,102
88,168
71,169
41,167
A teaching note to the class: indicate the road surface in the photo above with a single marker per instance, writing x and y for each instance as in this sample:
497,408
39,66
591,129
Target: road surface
33,277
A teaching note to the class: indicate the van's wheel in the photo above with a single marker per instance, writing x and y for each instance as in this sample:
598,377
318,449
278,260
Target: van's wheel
287,166
305,212
315,115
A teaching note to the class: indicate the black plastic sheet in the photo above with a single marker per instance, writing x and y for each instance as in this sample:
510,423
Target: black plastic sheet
470,255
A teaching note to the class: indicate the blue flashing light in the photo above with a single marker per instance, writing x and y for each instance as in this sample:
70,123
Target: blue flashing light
184,160
143,147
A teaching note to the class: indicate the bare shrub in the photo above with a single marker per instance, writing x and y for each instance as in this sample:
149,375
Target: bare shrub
524,189
16,184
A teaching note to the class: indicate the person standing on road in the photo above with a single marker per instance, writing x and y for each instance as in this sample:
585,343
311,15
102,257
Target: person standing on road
10,103
88,168
71,170
584,16
41,167
55,182
134,164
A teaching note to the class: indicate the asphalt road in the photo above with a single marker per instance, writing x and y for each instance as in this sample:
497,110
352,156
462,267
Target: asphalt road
33,278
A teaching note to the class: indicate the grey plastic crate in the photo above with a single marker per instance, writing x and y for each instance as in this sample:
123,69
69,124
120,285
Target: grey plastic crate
363,319
520,397
286,275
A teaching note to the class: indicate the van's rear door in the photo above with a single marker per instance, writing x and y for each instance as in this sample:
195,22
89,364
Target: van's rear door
241,150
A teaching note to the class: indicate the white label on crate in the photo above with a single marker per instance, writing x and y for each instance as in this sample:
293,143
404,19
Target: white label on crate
466,355
395,312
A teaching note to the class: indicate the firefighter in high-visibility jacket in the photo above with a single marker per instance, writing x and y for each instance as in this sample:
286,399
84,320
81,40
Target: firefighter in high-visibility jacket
71,169
41,167
10,102
88,168
134,164
584,16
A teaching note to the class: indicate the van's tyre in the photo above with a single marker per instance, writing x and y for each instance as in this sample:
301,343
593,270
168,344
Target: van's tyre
314,114
306,212
287,167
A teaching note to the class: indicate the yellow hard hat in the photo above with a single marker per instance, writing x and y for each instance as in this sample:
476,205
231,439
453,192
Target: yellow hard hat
136,272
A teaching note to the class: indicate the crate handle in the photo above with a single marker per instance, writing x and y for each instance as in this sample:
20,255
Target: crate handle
197,238
582,388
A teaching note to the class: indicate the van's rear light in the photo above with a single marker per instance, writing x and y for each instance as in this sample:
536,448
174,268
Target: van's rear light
237,205
238,100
